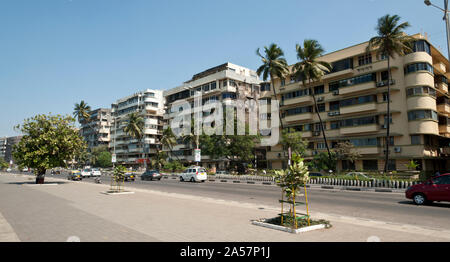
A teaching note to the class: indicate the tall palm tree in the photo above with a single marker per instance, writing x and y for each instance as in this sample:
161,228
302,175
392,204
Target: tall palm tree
168,139
135,129
390,40
311,69
81,112
273,65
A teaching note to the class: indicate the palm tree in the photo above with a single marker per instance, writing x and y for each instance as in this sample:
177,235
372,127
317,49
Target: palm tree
168,139
81,112
135,129
391,40
311,69
273,65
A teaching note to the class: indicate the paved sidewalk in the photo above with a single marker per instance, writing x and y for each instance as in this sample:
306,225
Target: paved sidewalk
80,209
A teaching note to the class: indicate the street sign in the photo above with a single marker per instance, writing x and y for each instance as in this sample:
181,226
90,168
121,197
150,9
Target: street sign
198,155
113,158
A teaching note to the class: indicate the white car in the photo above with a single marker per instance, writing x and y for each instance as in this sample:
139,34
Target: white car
8,170
95,172
86,173
194,174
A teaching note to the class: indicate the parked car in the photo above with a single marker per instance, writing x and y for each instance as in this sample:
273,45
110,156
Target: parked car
8,169
315,174
435,189
357,174
75,175
129,176
222,172
86,172
25,169
95,172
151,175
194,174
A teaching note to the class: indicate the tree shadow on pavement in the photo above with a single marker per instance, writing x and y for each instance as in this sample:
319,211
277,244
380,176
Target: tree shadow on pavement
34,183
434,204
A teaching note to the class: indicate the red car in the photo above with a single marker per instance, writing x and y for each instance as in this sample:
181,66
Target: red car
435,189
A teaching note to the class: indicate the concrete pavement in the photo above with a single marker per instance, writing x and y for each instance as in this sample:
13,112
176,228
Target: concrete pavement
55,213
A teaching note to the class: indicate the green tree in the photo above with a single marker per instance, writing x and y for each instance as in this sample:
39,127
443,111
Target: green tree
346,151
81,112
48,142
3,164
294,141
168,139
104,159
323,161
310,69
390,40
95,153
273,65
135,128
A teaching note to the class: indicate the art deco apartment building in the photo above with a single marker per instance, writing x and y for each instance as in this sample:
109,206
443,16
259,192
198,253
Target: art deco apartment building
150,105
97,131
225,83
352,103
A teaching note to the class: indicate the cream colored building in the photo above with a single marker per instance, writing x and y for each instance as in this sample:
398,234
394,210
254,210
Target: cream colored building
352,104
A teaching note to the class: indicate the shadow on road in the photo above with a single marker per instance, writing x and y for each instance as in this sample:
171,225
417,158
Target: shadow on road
34,183
434,204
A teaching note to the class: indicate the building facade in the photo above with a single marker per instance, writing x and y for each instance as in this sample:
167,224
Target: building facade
224,83
150,106
3,142
352,102
97,131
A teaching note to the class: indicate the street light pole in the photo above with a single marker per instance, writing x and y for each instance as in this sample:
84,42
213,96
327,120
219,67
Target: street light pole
446,19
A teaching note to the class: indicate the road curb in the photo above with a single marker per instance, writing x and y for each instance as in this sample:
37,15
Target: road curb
327,187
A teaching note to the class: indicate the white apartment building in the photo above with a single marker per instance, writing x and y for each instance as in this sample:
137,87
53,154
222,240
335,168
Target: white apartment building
97,131
222,83
150,105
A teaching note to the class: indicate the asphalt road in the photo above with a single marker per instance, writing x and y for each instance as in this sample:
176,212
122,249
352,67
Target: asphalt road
389,207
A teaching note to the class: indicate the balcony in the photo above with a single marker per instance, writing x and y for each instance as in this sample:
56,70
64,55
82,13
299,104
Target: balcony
299,117
358,108
444,130
297,100
442,87
368,150
357,88
359,129
443,109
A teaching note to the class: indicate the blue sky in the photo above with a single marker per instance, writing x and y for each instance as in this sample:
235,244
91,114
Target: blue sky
54,53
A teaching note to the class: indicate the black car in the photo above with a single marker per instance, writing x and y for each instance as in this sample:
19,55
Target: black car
129,177
315,174
151,175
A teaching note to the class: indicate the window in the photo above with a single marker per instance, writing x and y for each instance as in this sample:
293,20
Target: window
358,100
283,82
364,142
318,127
321,146
321,107
385,97
352,81
265,87
299,93
422,46
442,180
418,67
205,87
384,76
415,140
370,164
341,65
319,90
391,141
365,59
334,125
421,90
359,121
213,85
334,106
392,165
385,119
422,114
229,95
299,110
